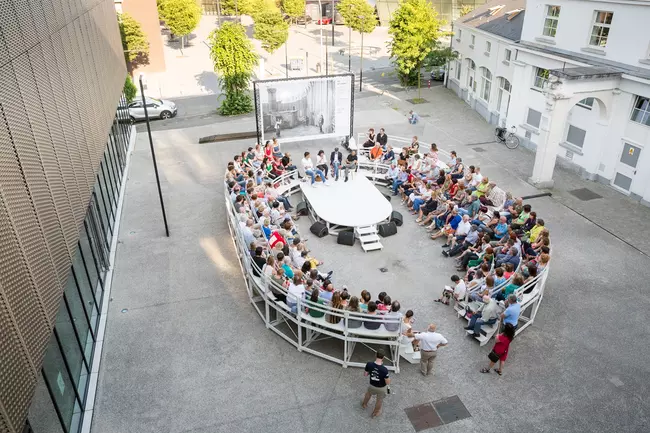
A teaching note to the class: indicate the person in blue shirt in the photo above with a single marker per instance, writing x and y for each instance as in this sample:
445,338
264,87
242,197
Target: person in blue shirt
389,155
501,229
511,315
452,225
401,178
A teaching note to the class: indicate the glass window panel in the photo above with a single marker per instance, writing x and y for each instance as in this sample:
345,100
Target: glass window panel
78,316
109,185
90,258
42,414
61,387
576,136
534,118
71,349
85,289
103,209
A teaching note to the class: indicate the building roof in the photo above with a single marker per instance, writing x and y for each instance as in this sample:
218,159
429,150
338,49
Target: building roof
604,65
504,18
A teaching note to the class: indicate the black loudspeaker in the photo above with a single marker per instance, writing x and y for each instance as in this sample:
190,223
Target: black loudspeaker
319,229
387,197
387,229
345,238
397,218
301,209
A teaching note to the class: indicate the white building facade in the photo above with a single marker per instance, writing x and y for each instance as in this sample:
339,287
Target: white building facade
579,75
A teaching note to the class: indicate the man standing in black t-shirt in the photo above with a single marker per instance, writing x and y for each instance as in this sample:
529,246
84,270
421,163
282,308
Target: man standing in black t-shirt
351,162
379,383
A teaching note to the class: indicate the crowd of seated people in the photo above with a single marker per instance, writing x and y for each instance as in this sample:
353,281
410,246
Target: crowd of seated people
281,256
498,242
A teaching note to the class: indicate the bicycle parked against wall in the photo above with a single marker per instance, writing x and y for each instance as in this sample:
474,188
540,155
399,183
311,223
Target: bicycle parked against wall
508,137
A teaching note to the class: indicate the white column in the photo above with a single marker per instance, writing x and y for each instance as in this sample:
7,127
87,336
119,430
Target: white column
551,134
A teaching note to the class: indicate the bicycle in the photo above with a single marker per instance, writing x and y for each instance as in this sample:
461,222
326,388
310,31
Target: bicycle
508,138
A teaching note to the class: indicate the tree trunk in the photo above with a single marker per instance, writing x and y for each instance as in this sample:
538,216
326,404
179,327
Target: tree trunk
182,43
419,77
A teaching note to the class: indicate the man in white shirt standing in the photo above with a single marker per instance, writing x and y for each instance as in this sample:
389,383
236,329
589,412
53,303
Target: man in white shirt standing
308,166
430,342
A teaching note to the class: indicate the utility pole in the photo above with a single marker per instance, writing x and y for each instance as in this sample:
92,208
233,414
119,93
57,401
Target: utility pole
333,18
153,157
286,59
350,49
361,66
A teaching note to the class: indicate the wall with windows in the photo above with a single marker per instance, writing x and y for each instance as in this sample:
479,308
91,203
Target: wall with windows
610,30
487,86
66,383
61,76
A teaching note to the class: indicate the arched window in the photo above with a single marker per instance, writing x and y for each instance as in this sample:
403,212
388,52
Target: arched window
503,97
486,85
471,70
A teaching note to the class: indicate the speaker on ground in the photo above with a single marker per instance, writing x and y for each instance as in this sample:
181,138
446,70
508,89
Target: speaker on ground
319,229
301,209
387,229
387,197
397,218
345,238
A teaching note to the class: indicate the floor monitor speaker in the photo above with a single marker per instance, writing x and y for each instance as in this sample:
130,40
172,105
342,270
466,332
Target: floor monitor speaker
319,229
345,238
387,229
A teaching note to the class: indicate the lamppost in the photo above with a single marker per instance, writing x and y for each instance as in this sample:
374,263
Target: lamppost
153,156
320,6
361,65
333,18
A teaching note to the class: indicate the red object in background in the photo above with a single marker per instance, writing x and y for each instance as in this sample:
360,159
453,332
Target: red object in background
324,21
429,84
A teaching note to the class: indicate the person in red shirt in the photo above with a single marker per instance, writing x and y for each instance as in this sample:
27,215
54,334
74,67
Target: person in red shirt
276,238
500,349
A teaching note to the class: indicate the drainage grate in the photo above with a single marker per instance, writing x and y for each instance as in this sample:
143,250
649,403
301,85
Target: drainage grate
437,413
585,194
425,115
478,149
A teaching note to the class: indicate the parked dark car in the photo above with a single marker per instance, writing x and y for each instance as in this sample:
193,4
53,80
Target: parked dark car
438,73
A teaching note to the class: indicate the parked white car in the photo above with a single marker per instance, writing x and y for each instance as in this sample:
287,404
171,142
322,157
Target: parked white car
157,108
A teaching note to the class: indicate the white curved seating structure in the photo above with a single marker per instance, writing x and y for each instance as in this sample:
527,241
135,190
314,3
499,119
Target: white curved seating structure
336,342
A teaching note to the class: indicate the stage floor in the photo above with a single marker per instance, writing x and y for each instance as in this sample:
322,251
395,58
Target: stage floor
355,203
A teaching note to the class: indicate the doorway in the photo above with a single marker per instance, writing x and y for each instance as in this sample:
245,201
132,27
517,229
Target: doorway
627,167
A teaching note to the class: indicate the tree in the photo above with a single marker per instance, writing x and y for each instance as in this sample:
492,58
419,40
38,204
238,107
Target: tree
359,16
234,60
413,27
181,16
270,29
229,7
134,42
465,9
293,8
129,89
439,56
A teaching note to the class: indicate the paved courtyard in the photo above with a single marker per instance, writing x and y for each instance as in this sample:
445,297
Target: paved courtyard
185,352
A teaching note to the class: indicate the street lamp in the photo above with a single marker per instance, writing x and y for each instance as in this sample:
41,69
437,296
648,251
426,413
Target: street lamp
363,20
321,31
153,156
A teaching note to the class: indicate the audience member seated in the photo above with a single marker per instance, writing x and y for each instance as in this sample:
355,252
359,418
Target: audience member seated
336,304
393,315
353,306
376,153
315,312
372,323
370,141
487,314
457,292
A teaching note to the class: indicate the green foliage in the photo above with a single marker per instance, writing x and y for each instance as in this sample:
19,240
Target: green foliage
134,41
229,7
236,103
358,14
465,9
293,8
129,89
234,59
439,56
181,16
161,8
270,29
414,27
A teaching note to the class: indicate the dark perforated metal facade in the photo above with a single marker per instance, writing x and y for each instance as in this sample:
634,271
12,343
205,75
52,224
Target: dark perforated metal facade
61,76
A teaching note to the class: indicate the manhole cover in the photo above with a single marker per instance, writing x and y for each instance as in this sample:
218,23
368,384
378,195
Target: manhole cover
585,194
383,269
478,149
436,413
423,417
451,409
